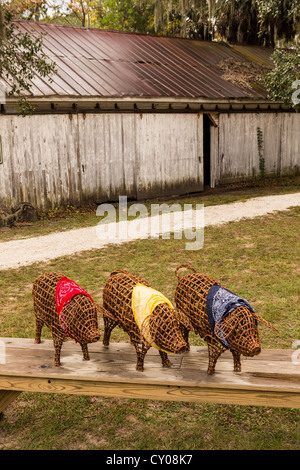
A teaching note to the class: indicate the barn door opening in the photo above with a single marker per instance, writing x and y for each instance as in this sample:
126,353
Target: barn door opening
206,149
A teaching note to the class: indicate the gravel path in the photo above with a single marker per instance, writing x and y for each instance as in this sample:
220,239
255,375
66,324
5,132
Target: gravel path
17,253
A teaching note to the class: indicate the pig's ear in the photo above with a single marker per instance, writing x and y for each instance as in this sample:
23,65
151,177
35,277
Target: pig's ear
184,320
265,322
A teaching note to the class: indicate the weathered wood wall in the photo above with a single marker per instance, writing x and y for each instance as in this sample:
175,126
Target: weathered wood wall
238,154
50,160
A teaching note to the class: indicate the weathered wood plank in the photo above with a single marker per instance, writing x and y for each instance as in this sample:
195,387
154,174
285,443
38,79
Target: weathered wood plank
165,392
271,379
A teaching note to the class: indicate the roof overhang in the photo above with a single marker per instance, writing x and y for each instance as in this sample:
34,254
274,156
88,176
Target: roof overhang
100,104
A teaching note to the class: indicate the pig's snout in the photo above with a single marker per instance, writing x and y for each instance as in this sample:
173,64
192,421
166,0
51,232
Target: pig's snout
183,348
94,337
176,347
253,348
180,347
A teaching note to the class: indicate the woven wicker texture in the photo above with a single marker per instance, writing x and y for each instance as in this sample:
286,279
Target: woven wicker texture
239,327
164,325
79,316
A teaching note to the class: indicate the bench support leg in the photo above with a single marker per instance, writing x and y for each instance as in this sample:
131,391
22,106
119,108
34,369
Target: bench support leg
6,398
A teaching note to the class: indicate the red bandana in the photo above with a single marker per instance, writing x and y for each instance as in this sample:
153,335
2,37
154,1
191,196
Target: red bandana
65,291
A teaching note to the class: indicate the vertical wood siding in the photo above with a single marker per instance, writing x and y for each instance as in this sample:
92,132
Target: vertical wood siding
238,155
55,159
170,148
50,160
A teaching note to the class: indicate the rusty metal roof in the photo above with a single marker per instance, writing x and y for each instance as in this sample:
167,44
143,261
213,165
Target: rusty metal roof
104,63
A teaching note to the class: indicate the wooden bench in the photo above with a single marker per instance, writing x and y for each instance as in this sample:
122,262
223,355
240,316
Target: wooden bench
270,379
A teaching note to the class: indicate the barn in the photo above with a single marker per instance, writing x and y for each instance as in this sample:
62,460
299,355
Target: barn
142,116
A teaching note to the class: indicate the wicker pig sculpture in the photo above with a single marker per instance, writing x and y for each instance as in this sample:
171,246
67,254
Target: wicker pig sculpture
145,314
67,310
221,318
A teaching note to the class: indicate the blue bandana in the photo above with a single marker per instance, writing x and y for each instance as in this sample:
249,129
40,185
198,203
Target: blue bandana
221,302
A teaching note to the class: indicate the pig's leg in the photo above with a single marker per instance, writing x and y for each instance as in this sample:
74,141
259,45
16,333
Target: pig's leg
84,347
185,335
141,350
237,367
109,325
57,342
214,352
164,359
38,329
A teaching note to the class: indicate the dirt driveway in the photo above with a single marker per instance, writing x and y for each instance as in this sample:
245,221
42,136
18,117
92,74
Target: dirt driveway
17,253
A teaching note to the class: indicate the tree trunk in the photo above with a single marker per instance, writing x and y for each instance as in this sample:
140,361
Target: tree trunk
272,35
37,12
2,25
83,13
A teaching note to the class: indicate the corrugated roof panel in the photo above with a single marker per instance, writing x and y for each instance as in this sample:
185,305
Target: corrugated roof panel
135,84
98,46
93,62
260,55
70,79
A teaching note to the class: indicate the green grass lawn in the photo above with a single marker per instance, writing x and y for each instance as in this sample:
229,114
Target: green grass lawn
256,258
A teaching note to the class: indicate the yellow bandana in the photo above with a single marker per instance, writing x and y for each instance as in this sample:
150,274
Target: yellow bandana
144,301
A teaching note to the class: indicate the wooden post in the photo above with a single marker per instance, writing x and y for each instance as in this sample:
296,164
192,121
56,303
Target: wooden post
6,398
